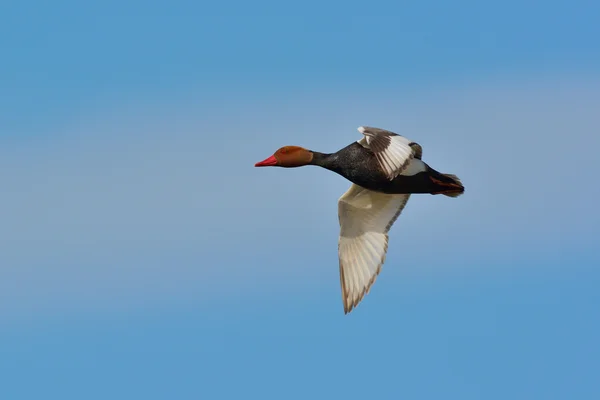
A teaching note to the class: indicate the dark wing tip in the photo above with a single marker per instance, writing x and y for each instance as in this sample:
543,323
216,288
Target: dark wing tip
372,131
417,150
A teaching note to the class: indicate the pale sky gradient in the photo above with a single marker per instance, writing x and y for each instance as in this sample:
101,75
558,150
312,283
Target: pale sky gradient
108,207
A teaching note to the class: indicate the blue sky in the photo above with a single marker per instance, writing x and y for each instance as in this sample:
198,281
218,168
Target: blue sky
143,256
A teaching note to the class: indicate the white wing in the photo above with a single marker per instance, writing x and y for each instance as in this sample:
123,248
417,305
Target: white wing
393,152
365,219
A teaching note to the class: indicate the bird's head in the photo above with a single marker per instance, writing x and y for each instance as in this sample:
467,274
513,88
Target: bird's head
288,157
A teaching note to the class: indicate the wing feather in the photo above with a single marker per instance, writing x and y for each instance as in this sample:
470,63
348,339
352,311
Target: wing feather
365,220
392,151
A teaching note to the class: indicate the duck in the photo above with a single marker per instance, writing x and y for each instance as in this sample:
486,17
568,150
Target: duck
384,169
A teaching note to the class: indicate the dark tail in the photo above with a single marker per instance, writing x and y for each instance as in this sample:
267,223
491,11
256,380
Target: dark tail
446,184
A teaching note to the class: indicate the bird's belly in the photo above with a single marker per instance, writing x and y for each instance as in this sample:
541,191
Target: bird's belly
414,179
402,184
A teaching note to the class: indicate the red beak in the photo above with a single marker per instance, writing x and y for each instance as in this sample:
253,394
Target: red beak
269,162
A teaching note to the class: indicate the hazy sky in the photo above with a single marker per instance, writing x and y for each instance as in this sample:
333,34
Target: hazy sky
143,256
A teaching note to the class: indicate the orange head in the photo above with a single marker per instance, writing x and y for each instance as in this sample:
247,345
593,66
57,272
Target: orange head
288,157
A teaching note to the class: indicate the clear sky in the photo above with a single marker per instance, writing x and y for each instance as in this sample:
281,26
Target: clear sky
142,256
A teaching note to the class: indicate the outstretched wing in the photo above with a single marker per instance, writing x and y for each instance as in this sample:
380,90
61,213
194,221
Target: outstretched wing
392,151
365,219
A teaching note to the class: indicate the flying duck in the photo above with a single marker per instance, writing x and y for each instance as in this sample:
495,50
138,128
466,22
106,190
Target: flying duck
385,169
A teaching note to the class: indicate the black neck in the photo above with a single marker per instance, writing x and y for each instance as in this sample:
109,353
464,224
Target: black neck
323,160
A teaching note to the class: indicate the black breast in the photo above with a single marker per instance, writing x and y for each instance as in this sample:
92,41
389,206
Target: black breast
359,166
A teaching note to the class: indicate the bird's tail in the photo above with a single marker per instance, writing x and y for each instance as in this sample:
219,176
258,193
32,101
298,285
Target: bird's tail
446,184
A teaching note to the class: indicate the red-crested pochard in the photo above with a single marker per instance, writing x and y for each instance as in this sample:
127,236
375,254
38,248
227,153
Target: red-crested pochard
385,169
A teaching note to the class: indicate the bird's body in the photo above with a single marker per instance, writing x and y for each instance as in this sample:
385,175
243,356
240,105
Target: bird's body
385,169
358,164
